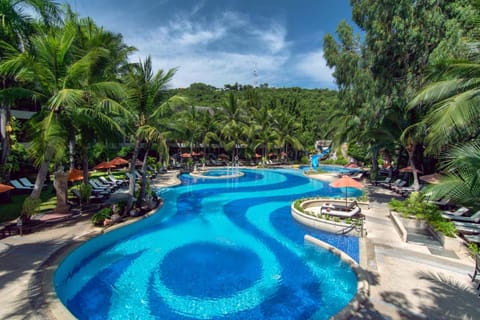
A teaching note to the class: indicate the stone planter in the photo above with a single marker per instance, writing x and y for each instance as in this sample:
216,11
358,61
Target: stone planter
448,243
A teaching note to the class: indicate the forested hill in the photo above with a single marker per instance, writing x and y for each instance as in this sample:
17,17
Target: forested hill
310,107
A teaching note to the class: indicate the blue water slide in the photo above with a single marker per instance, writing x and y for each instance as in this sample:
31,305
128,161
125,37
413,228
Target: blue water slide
320,156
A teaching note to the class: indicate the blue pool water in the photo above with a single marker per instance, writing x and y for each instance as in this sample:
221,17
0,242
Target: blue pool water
219,172
332,168
217,249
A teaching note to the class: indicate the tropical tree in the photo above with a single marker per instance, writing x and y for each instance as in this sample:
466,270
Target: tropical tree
16,28
231,119
146,98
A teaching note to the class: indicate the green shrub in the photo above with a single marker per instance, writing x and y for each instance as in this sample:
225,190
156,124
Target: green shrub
415,206
473,248
30,206
85,191
100,216
305,160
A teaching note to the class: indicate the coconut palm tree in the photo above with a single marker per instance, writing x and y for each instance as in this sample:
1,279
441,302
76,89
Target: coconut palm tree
63,84
16,28
231,119
148,103
287,128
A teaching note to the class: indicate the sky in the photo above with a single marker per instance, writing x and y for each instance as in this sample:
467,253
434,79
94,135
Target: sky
220,42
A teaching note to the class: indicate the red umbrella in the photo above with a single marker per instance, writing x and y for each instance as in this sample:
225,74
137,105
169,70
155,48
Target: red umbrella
104,165
257,155
185,155
75,175
346,182
433,178
118,161
352,165
195,154
5,188
409,169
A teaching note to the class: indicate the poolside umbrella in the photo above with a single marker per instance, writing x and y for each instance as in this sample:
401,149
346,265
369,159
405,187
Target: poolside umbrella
185,155
118,161
257,155
138,163
75,175
5,188
104,165
409,169
346,182
222,155
433,178
195,154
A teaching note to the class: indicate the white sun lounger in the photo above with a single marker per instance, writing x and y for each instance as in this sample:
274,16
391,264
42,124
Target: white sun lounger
466,227
473,238
473,218
19,186
459,212
342,214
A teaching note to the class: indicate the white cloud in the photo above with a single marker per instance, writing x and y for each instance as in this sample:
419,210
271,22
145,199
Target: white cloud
224,50
314,66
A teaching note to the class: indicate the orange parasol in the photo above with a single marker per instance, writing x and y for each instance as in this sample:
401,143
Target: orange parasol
195,154
104,165
185,155
118,161
346,182
409,169
257,155
75,175
433,178
5,188
352,165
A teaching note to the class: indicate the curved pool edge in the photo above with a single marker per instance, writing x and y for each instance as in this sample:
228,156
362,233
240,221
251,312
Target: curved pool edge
363,287
41,290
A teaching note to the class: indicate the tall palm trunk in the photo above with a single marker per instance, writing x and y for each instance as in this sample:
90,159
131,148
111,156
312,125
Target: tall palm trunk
40,180
85,164
411,153
131,186
143,185
4,138
71,152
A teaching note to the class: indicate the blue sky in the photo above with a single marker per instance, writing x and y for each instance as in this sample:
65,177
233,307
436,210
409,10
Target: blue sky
221,41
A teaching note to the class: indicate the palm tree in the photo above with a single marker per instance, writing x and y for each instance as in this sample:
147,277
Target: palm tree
231,118
16,28
287,128
68,92
147,101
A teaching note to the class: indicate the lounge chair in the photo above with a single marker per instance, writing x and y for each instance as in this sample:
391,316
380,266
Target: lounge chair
340,213
477,267
92,198
117,181
467,227
472,238
339,207
459,212
397,186
19,186
107,182
358,175
27,183
97,187
388,184
474,218
386,180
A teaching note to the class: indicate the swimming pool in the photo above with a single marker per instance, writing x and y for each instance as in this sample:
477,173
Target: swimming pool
218,249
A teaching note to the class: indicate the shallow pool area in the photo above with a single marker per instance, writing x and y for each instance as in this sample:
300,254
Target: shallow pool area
217,249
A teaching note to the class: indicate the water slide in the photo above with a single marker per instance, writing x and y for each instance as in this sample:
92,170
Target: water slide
320,156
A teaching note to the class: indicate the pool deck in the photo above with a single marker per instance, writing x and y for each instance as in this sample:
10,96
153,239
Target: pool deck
407,281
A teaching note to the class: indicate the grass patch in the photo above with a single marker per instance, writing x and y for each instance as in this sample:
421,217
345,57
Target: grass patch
11,210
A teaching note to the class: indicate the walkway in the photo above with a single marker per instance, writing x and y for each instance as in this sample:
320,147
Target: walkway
411,281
